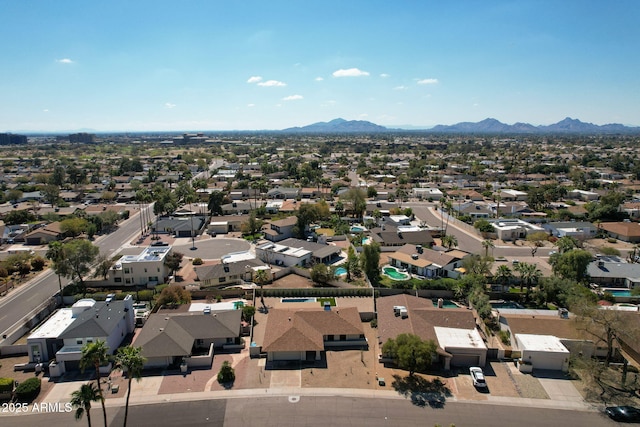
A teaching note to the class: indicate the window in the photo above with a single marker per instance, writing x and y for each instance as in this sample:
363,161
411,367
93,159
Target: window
222,279
145,269
343,337
89,340
127,281
127,270
117,279
78,342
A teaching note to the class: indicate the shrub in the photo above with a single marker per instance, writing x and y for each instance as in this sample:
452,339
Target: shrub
227,374
197,261
374,323
505,337
146,295
38,263
28,389
159,288
247,312
611,240
6,384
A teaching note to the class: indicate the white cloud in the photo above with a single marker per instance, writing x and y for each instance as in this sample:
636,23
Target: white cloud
384,75
292,98
251,105
272,83
254,79
46,110
400,88
169,105
350,72
319,79
363,116
64,61
427,81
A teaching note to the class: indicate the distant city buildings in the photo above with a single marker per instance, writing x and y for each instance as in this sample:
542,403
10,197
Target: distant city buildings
12,139
82,138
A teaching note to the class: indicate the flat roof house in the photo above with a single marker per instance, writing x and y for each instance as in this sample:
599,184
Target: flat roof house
146,269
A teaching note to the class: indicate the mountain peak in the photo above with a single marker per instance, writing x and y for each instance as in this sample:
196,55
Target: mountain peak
340,126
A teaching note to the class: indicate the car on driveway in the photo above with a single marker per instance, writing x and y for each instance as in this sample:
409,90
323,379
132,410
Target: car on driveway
477,377
627,414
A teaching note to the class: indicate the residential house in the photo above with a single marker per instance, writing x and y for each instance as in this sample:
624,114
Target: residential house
306,334
513,195
632,209
64,334
44,235
298,252
283,193
227,274
454,330
472,209
278,230
179,226
400,236
580,230
614,271
427,193
237,208
625,231
426,262
583,195
146,269
169,338
512,229
227,224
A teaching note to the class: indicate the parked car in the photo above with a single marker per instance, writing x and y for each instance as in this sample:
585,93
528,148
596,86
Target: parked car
627,414
477,376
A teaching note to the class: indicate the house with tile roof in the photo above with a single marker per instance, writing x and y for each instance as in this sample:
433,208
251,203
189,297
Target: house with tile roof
454,330
169,338
426,262
231,273
625,231
304,334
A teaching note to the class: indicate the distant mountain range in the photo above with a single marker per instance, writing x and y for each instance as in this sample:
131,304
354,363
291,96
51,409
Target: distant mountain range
487,126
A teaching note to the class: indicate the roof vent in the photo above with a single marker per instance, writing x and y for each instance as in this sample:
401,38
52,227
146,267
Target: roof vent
414,256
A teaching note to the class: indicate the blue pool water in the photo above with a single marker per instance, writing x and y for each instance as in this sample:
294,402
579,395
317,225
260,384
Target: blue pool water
340,271
506,304
619,292
357,229
298,300
445,303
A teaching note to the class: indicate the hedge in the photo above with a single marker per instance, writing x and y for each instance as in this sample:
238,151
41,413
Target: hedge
28,389
6,384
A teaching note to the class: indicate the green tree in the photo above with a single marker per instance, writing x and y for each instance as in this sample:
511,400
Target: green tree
483,226
173,261
477,265
79,256
252,225
357,200
55,254
370,260
503,275
94,355
227,374
410,352
487,244
571,264
81,400
449,241
320,273
174,295
306,214
73,226
566,243
216,200
529,275
131,361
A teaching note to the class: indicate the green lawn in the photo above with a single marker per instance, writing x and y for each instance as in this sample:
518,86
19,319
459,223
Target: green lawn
332,301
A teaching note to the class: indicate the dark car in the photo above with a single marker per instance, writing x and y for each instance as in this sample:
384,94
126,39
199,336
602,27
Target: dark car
623,413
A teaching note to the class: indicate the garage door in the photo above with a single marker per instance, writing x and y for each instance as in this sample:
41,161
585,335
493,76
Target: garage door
465,360
286,355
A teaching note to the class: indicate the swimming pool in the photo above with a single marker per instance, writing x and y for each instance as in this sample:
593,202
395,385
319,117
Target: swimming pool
506,304
395,274
298,300
618,292
340,271
445,303
357,229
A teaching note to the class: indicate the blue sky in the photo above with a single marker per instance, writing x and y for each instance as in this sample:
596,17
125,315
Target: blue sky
247,65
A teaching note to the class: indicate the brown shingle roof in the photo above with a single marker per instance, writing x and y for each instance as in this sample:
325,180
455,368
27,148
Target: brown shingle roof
304,330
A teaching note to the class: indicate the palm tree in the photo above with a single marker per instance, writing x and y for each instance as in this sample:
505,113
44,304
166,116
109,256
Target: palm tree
55,254
94,355
487,244
131,360
503,275
529,275
449,241
81,400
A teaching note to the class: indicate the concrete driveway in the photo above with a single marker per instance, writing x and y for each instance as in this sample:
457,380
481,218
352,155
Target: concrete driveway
558,387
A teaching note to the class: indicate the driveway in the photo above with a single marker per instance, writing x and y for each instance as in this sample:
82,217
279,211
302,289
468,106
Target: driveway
558,387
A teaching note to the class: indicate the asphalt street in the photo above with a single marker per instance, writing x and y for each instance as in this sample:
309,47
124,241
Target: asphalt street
27,297
283,411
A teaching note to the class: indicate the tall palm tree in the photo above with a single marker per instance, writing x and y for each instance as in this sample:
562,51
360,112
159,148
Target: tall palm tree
55,254
487,244
131,360
503,275
81,400
449,241
94,355
529,275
